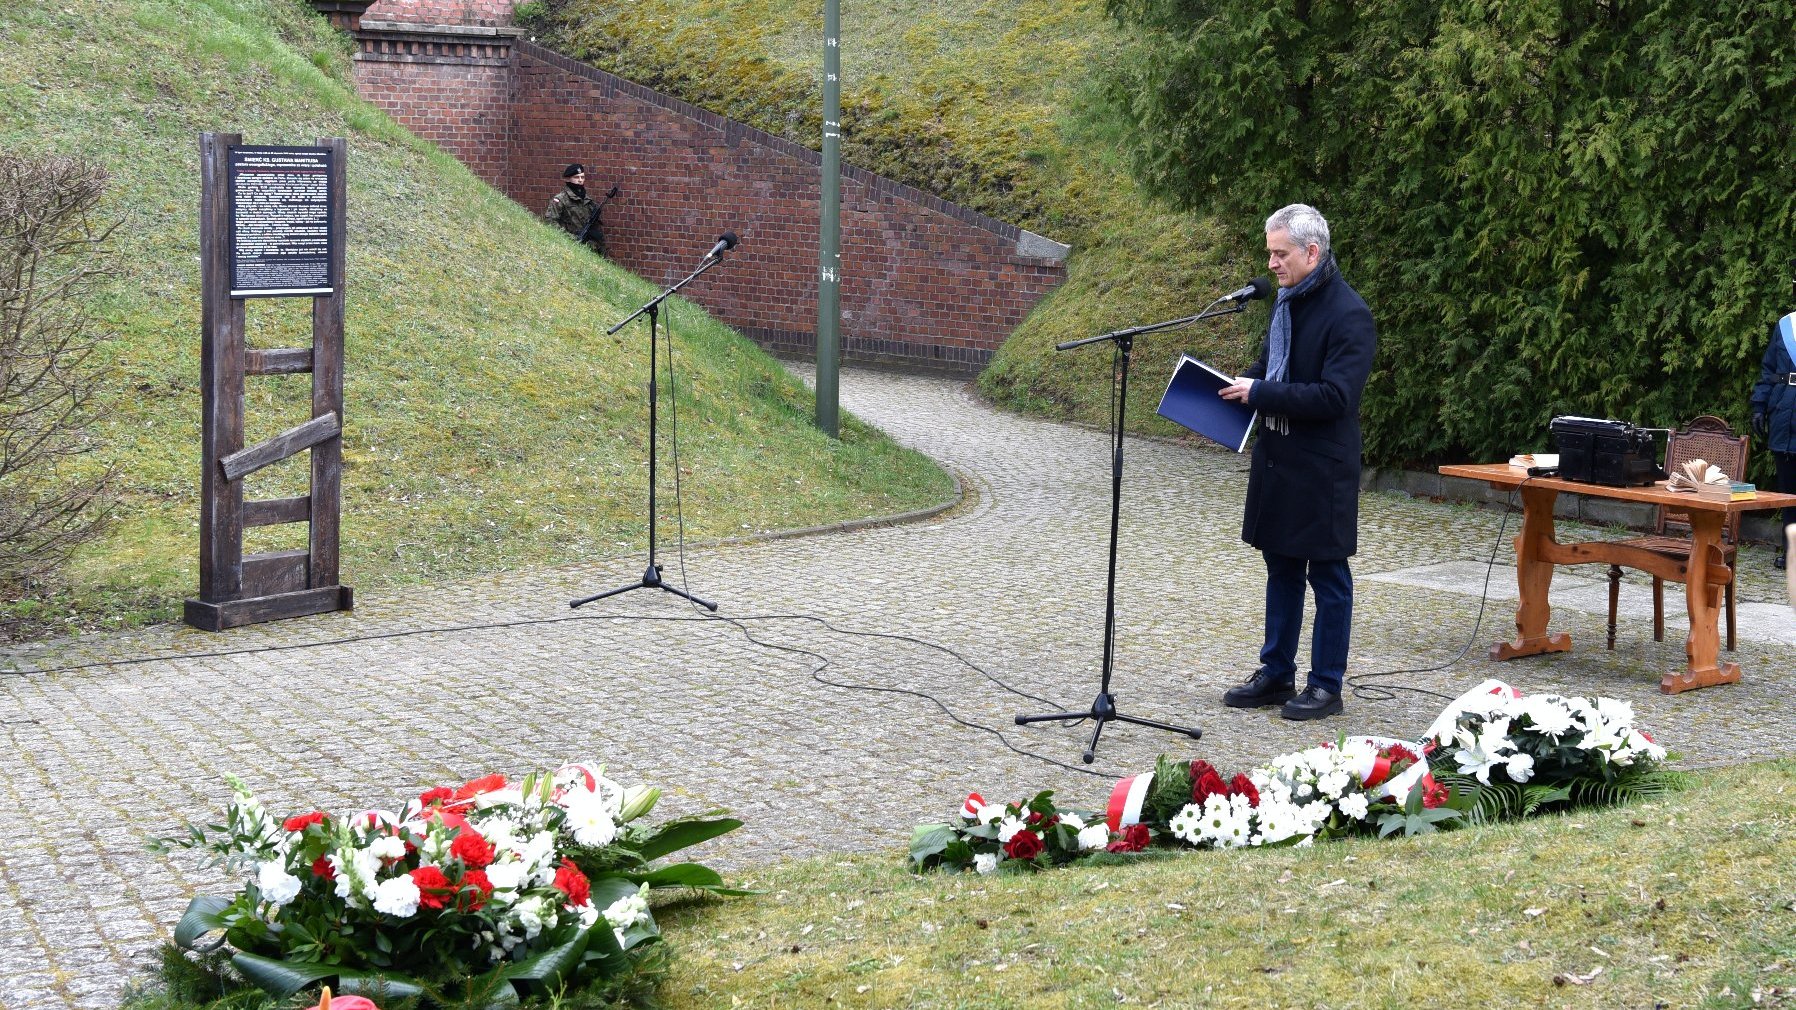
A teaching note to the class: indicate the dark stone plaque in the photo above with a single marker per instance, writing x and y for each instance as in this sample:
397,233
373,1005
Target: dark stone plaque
281,235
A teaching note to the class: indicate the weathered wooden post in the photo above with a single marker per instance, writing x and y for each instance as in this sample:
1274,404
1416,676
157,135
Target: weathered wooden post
271,225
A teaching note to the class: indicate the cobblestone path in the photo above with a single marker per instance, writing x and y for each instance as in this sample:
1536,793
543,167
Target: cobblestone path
1012,579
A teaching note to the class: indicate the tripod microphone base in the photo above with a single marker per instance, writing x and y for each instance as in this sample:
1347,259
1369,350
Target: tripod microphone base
1103,710
651,579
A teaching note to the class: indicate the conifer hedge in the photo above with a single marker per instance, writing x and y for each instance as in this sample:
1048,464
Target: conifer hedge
1552,206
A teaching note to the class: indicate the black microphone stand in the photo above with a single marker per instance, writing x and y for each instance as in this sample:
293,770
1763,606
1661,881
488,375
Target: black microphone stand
651,576
1103,708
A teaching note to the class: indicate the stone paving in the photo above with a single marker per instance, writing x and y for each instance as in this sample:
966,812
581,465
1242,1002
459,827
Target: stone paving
1012,579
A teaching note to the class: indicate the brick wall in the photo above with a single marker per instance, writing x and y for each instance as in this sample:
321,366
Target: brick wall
488,13
925,283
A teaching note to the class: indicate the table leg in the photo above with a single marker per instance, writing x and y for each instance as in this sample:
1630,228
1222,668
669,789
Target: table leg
1533,578
1702,650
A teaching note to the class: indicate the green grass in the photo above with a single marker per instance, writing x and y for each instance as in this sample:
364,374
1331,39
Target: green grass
989,105
1686,901
489,423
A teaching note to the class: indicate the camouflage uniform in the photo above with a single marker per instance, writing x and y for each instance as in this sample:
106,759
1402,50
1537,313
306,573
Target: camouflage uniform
570,210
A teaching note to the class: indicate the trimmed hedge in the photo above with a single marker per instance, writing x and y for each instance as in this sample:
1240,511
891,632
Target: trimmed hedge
1553,206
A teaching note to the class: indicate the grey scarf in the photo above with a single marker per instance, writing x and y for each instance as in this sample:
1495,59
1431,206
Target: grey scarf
1278,335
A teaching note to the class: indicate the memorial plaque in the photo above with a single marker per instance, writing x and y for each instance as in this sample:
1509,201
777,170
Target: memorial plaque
281,236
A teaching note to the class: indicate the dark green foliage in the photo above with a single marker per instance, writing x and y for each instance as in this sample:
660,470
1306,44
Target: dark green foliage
1553,206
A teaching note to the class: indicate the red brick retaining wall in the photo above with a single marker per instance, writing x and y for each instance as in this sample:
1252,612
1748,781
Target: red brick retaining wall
925,282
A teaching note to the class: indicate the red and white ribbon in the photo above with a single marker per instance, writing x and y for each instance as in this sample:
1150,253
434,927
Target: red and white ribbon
1126,799
970,809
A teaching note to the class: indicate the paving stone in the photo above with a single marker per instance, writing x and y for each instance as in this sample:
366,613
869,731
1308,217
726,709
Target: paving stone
1012,580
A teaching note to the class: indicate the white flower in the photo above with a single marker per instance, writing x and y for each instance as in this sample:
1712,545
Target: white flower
1094,836
498,797
398,896
1486,752
985,862
1520,767
1008,829
1548,715
1187,824
590,818
387,847
1073,821
1354,806
276,884
530,914
990,812
355,872
506,876
629,910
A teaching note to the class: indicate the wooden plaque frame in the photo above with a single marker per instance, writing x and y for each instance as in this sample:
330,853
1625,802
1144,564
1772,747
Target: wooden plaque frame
236,589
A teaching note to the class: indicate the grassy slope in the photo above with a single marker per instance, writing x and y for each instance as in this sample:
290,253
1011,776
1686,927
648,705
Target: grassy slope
1002,85
1683,902
490,424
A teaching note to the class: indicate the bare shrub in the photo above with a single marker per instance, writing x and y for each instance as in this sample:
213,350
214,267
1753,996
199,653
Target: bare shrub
51,253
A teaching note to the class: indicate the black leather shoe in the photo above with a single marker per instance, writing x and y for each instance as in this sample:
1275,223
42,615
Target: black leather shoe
1778,561
1259,691
1313,703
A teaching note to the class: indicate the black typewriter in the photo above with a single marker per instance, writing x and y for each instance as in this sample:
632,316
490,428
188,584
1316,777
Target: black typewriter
1612,453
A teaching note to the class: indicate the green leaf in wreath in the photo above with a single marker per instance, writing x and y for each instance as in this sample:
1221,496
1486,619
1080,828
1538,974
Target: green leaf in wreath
928,840
676,835
693,875
602,948
608,890
204,915
281,978
553,967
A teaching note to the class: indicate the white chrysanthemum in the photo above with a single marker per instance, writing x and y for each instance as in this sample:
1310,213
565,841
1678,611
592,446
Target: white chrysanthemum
1334,782
387,847
398,896
1548,716
1354,805
276,884
1187,824
1094,836
990,812
1073,821
501,831
985,862
1617,713
1009,828
590,818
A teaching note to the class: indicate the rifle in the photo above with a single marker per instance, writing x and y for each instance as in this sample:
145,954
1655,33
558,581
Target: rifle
594,219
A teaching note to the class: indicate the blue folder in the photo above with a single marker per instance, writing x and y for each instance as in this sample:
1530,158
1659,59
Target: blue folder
1191,400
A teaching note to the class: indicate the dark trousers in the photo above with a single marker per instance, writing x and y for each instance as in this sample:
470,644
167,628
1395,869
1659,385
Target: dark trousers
1786,480
1332,582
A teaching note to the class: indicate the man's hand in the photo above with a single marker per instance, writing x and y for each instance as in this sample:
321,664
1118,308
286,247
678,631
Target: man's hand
1236,391
1761,425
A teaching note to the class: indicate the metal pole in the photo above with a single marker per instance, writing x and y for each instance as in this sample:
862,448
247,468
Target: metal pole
829,272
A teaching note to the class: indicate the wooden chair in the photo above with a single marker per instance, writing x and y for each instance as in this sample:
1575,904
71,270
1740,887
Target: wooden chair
1707,438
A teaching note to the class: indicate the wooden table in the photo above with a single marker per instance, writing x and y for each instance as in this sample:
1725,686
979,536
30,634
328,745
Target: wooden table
1536,552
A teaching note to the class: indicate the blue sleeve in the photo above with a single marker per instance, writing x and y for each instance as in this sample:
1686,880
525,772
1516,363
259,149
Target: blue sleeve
1768,373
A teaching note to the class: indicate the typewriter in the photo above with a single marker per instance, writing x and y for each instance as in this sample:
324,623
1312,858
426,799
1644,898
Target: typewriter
1612,453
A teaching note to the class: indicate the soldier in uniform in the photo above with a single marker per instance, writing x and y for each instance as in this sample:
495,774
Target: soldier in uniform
571,208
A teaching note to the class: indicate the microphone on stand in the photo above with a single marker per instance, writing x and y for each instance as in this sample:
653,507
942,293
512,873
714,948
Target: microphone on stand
1259,287
725,243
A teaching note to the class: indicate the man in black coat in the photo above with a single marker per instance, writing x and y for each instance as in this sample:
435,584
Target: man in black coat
1302,509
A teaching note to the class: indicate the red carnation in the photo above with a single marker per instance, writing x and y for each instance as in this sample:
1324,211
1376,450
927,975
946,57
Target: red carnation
1134,838
321,867
1241,785
1207,785
571,882
475,889
1397,752
1024,844
1433,793
433,888
475,852
481,786
434,797
301,822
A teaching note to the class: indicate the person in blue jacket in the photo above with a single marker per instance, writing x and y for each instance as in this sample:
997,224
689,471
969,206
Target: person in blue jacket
1302,510
1774,406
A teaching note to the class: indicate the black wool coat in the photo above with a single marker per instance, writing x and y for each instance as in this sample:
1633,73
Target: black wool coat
1303,487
